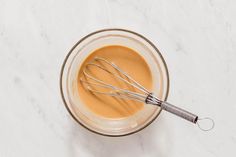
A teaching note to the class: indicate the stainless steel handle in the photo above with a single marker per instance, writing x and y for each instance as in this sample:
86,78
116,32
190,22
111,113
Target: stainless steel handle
179,112
151,99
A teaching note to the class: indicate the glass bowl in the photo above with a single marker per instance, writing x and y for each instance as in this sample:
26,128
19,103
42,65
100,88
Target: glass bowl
75,58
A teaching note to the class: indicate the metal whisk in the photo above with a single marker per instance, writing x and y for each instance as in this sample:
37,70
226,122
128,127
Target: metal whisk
139,94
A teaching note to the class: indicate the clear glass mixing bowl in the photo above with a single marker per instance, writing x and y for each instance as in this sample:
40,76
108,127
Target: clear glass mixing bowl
70,69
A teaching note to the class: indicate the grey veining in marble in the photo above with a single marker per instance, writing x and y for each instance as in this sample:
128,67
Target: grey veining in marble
197,39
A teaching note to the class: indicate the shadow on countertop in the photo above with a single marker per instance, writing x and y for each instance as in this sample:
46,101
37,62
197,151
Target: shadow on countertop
155,140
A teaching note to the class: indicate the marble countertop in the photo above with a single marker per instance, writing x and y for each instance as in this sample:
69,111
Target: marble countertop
196,38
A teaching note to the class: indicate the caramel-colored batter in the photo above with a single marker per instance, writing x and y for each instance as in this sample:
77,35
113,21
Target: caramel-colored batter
129,61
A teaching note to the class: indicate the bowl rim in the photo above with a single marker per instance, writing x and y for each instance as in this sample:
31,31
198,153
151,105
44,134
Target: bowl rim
106,30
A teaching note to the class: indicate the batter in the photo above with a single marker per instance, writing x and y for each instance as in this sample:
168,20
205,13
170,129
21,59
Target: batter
129,61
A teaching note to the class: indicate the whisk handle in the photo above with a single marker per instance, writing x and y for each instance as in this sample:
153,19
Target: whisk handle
151,99
179,112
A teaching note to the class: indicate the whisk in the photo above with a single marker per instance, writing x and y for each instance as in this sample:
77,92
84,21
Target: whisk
140,93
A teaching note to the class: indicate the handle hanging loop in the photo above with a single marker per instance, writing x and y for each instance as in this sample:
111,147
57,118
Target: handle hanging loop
205,124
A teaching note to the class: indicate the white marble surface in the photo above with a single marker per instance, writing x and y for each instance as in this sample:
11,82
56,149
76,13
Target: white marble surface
197,39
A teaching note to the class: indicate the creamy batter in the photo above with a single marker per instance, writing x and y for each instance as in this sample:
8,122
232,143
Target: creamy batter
129,61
